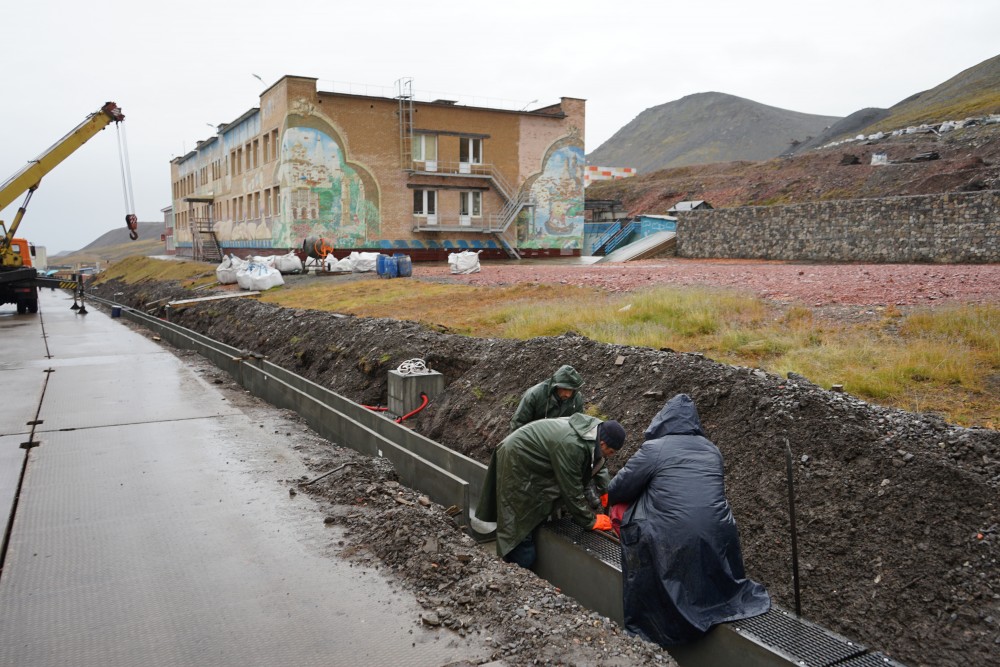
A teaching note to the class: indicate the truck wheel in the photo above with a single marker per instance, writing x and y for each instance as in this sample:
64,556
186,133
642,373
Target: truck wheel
33,306
22,308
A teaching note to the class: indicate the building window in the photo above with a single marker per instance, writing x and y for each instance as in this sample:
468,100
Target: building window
249,163
470,203
470,150
425,147
274,144
274,193
256,153
267,148
424,202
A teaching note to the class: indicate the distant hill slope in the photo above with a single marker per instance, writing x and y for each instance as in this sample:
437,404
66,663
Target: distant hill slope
705,128
115,245
119,236
971,93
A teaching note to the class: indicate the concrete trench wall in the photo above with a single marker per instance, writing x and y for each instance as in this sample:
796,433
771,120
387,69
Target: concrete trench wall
953,228
585,565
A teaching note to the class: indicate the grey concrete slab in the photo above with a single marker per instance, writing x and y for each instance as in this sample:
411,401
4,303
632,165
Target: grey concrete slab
95,334
99,391
11,459
22,355
22,394
165,536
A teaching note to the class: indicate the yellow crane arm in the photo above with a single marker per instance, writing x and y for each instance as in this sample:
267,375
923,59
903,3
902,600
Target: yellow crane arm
30,176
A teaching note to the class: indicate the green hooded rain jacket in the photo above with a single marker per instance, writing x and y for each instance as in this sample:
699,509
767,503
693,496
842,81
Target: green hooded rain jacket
534,469
541,402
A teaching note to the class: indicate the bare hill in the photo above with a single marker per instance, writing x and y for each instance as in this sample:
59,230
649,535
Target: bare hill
120,236
706,128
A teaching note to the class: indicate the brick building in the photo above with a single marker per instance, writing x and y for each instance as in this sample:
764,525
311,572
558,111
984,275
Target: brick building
369,172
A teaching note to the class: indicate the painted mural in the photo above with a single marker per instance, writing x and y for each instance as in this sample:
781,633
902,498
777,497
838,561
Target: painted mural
322,194
558,193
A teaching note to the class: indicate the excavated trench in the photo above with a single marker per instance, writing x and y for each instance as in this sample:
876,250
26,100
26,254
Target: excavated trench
897,515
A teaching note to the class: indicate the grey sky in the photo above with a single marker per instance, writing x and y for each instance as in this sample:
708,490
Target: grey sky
176,68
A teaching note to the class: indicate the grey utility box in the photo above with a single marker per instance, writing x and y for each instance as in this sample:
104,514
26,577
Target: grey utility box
405,389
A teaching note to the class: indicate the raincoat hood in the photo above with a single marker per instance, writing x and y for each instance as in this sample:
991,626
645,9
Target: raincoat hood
678,417
566,377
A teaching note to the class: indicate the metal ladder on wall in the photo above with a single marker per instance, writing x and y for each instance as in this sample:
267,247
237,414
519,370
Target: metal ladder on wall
404,95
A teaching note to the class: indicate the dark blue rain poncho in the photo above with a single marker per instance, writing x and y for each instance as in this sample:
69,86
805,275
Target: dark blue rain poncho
682,568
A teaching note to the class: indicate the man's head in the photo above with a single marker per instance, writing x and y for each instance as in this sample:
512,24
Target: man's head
565,383
610,438
564,393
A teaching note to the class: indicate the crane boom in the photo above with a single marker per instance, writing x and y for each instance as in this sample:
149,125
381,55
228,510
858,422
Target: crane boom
18,279
30,176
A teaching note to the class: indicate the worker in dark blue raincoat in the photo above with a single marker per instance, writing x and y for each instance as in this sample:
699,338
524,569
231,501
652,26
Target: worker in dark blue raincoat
682,567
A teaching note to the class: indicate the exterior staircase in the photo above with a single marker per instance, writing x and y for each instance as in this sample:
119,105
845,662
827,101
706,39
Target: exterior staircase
207,247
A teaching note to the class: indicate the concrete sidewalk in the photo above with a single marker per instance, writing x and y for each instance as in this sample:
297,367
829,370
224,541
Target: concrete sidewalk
145,531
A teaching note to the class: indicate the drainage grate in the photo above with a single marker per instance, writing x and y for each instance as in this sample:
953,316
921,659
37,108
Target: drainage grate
808,644
601,546
871,660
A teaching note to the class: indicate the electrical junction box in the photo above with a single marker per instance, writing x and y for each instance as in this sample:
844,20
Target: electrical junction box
405,389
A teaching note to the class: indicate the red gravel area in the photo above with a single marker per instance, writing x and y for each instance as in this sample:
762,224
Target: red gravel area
810,284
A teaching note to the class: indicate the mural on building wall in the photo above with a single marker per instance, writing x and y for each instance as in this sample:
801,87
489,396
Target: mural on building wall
322,193
557,221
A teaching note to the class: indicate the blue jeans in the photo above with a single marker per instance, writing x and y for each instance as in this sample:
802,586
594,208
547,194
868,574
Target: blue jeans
524,554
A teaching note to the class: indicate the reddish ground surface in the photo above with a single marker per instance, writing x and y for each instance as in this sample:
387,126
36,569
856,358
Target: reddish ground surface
810,284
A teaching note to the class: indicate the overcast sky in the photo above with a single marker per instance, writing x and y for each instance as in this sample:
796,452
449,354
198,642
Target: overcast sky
176,68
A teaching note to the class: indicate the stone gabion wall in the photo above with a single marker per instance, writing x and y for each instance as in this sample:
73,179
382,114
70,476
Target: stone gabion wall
948,228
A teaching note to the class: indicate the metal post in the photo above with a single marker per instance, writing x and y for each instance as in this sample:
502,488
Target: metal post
791,515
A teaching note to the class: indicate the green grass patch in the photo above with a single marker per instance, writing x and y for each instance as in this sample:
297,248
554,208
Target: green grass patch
137,269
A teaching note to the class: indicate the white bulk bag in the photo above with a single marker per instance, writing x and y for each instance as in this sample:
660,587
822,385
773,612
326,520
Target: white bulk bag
289,263
464,262
225,273
363,262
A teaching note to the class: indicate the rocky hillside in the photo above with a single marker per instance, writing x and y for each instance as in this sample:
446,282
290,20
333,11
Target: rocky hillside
704,128
712,128
960,160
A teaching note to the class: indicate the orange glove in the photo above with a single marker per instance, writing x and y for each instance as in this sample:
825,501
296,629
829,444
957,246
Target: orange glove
604,500
602,522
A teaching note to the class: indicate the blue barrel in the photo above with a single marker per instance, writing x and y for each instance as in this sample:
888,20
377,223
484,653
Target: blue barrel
380,265
391,267
116,311
405,265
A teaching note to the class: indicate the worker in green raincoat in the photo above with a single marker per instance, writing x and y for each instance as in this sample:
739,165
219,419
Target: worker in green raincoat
540,466
559,396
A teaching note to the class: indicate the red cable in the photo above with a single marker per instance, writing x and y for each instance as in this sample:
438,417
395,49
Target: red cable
413,412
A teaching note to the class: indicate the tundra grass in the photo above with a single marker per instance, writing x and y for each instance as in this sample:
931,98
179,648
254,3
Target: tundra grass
944,360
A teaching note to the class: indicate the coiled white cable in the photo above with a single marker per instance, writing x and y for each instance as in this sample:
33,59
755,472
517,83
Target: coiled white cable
413,367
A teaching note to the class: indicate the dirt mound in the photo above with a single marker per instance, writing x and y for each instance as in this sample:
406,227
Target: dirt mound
898,528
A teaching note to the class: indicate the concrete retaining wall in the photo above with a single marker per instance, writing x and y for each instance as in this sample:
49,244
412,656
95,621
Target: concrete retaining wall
951,228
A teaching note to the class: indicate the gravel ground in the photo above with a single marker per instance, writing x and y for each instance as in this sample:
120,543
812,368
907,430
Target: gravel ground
814,285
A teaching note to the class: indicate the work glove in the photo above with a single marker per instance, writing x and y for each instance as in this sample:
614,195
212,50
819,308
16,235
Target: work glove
604,501
602,522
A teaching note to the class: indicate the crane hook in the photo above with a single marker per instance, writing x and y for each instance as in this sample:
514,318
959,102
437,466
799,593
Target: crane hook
131,221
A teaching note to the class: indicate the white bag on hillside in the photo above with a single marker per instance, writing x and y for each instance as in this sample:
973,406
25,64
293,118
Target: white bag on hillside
464,262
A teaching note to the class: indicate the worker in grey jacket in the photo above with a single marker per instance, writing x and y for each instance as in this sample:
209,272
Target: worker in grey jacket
559,396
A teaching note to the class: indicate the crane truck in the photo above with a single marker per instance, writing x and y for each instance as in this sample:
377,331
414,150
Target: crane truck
19,280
